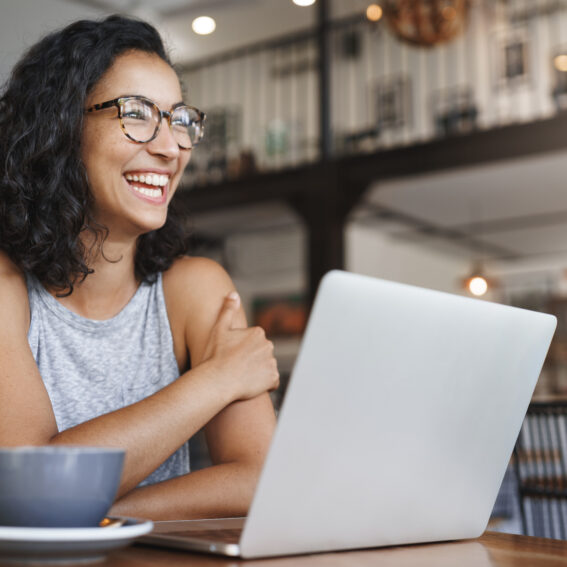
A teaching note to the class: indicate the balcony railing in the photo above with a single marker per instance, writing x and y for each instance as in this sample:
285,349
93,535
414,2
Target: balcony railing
262,101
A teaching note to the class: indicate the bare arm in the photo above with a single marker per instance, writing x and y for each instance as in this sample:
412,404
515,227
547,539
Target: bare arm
222,490
238,437
149,430
26,416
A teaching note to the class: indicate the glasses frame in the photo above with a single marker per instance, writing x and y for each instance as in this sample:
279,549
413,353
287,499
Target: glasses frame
120,101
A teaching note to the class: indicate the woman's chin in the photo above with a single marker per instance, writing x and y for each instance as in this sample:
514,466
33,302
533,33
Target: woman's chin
153,225
136,227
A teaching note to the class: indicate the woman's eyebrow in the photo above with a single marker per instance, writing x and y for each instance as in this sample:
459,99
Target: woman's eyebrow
132,95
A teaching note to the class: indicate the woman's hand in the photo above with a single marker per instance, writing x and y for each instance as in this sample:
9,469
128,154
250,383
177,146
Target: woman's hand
243,357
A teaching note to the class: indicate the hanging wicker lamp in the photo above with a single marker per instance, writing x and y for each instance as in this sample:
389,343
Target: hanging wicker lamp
426,23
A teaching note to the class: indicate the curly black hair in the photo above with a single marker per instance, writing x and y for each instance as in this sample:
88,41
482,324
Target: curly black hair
45,200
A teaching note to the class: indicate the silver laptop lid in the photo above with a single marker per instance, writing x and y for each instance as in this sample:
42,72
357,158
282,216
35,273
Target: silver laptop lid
399,419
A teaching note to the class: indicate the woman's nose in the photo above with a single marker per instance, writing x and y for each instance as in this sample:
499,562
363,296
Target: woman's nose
164,143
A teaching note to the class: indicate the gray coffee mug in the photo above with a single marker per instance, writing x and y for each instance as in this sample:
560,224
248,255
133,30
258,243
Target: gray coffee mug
58,486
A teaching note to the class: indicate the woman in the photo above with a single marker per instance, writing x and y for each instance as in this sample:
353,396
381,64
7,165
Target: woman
109,334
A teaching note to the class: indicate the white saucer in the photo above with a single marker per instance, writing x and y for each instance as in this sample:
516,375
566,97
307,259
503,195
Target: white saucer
67,544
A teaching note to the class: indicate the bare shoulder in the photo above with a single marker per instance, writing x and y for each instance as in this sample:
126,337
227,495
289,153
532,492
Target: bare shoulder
193,267
14,303
7,266
194,283
12,279
194,290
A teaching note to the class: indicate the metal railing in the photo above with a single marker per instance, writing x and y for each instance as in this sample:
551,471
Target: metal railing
262,101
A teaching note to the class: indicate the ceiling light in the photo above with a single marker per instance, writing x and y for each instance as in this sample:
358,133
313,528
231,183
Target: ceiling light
303,2
204,25
477,282
477,285
374,12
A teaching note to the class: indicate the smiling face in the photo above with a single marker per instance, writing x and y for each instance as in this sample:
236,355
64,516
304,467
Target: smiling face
132,184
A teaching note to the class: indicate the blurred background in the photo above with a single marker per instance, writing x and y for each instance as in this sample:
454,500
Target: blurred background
423,141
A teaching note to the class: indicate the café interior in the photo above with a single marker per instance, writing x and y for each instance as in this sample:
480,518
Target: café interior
420,141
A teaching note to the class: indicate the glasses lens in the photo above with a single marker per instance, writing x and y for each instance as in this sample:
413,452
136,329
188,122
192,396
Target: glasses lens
140,118
187,126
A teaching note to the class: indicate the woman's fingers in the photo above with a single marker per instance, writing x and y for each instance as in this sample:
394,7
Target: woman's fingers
228,311
244,355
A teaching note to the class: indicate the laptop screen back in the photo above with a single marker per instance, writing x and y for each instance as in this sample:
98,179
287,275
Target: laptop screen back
399,420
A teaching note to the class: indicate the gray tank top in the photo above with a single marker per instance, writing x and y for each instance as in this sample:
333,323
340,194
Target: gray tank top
94,367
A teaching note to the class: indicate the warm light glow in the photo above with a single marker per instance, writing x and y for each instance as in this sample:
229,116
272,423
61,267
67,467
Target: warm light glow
560,62
477,285
204,25
303,2
374,12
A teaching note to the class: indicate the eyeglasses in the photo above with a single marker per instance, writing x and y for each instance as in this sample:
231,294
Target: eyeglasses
141,118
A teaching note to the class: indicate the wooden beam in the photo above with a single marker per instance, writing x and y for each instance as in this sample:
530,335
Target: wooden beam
322,210
358,172
258,188
477,148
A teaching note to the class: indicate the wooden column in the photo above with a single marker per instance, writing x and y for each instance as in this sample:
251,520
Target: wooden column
324,209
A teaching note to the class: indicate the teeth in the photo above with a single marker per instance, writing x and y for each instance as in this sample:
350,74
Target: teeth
149,179
155,193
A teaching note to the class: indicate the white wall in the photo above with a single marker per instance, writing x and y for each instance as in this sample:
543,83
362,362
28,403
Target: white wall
23,22
377,254
267,262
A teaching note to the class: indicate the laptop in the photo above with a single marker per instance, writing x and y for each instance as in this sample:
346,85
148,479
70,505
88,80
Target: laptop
397,426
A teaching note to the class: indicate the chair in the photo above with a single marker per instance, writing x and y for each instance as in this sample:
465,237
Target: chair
540,460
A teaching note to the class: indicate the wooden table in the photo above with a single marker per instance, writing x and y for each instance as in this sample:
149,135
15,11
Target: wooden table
491,550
